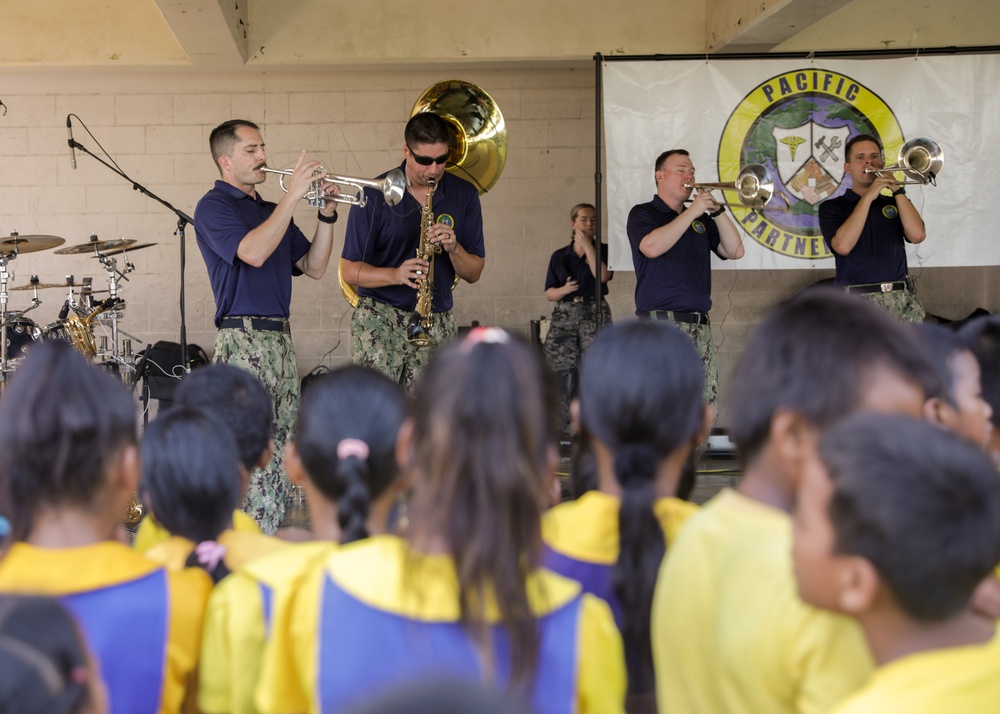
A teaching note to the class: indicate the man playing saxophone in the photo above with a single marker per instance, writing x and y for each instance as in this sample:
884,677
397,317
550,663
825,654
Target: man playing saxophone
380,254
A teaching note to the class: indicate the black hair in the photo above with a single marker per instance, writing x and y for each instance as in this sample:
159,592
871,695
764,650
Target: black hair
920,504
859,138
224,137
43,660
483,434
352,402
191,478
64,423
641,385
662,158
813,354
238,400
942,345
982,337
427,128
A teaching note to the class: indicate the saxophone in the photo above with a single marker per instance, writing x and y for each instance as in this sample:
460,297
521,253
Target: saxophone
418,330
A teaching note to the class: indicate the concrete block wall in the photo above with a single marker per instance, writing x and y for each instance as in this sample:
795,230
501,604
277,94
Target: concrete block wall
156,125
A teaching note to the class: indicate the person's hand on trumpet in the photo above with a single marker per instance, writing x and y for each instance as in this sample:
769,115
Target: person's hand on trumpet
703,201
882,182
304,173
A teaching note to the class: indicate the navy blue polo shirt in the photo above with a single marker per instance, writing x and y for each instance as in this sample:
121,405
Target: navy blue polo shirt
880,253
680,279
565,264
222,219
386,236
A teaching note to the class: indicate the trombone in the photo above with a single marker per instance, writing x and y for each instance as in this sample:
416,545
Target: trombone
393,186
920,160
754,187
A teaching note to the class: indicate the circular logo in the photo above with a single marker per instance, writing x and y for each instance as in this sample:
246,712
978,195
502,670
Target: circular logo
446,219
795,126
698,226
890,211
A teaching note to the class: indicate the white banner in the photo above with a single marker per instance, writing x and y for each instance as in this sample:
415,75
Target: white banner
794,117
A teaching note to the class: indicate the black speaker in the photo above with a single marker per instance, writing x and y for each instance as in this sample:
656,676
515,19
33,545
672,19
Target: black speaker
159,366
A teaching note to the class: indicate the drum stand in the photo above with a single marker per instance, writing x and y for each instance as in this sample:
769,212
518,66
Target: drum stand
4,277
121,355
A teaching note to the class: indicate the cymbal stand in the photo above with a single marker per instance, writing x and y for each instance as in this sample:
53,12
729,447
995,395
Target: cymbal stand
111,267
4,277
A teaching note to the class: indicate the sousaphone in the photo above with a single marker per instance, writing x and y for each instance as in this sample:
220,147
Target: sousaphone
478,147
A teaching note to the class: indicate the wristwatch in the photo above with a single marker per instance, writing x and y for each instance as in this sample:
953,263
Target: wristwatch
898,191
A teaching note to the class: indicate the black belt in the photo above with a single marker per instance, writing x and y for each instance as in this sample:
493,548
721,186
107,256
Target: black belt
692,318
880,287
265,324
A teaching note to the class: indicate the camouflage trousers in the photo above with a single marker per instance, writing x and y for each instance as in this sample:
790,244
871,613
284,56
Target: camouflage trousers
378,340
572,330
904,304
701,335
269,356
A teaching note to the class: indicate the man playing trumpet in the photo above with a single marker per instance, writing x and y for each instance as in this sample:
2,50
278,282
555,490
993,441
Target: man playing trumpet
671,251
252,248
867,232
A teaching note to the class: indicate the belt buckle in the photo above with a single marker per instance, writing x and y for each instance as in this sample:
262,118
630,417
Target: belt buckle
887,287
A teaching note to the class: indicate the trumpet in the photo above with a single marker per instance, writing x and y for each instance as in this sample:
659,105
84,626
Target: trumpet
392,187
754,187
920,160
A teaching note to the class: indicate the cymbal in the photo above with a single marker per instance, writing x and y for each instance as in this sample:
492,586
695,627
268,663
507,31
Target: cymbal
129,248
96,245
43,286
29,244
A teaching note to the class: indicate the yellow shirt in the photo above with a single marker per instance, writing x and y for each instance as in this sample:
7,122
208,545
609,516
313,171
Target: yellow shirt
150,532
953,680
730,634
238,624
383,580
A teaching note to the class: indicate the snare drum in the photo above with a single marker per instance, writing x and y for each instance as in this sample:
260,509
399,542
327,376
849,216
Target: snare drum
21,332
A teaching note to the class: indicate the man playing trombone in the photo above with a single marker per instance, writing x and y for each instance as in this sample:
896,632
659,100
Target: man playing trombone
671,251
252,248
868,231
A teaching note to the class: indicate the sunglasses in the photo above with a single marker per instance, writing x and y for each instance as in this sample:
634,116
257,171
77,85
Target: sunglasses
428,160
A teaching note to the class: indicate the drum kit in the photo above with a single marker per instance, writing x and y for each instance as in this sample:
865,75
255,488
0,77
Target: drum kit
88,320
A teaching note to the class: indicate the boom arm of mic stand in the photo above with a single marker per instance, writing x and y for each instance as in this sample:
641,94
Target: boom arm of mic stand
182,220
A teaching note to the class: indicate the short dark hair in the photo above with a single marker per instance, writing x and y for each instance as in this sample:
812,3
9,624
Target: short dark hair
982,336
42,654
858,138
812,354
64,422
190,473
238,400
352,402
942,345
920,504
224,137
427,128
662,158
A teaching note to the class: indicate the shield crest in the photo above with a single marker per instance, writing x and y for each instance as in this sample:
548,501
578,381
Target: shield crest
810,159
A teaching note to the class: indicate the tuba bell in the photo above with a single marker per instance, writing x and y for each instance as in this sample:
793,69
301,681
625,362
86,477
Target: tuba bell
479,145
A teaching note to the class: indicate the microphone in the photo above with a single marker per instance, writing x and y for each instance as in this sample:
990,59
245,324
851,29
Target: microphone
65,310
72,144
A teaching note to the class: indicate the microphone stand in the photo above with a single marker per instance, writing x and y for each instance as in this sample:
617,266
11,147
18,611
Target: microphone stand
182,220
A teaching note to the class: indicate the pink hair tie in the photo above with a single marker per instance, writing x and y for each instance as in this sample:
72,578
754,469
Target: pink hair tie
352,447
487,335
209,554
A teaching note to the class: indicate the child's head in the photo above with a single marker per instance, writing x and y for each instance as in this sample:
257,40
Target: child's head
44,664
959,405
481,449
982,336
641,406
345,442
823,355
68,440
898,507
238,400
190,476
